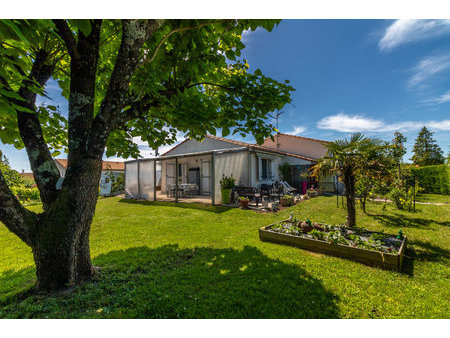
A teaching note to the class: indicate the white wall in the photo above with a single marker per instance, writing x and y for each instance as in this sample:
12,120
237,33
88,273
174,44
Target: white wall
236,164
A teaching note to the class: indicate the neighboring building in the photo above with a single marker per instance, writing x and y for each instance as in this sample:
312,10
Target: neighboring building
204,163
109,169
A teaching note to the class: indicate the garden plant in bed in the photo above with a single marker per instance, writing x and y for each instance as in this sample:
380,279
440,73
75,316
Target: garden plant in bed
374,248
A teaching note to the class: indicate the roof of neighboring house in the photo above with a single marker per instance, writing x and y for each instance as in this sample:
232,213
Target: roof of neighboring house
301,137
28,176
249,146
106,165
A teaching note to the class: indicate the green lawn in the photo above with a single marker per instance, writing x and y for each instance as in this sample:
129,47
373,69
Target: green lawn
433,198
161,260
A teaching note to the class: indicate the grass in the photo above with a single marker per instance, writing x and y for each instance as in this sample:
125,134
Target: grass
161,260
433,198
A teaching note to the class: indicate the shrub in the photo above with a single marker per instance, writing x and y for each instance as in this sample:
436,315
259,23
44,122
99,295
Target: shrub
434,179
26,194
227,182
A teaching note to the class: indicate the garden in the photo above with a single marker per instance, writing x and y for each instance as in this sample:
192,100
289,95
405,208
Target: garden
198,261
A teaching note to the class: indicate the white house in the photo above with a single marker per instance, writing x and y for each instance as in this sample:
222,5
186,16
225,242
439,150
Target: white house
204,163
109,169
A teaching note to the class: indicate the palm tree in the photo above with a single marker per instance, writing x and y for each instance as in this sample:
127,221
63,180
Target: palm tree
344,158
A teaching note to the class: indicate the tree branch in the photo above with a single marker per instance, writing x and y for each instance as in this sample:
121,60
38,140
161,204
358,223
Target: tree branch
16,218
45,171
65,33
134,35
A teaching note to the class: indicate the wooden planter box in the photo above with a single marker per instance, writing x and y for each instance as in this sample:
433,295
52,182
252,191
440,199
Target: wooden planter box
374,258
286,202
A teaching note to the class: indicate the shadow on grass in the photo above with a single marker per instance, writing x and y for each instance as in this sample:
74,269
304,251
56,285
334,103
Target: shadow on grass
171,282
194,205
425,251
398,221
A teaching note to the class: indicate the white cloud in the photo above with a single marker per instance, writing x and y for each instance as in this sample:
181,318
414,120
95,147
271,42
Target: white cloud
358,123
428,67
346,123
297,131
438,100
409,31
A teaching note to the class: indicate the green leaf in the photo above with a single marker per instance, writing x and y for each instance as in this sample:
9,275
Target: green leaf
83,25
225,131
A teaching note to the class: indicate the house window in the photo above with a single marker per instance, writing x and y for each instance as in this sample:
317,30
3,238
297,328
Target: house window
265,169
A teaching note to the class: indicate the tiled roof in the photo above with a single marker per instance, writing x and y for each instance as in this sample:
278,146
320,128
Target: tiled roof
304,138
106,165
261,148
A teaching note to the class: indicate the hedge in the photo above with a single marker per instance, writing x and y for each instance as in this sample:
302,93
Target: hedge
434,179
26,194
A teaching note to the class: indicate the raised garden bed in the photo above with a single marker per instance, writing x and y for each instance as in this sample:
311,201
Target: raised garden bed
368,247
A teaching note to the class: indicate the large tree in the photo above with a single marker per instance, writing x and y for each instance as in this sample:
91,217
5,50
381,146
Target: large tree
122,78
426,151
398,150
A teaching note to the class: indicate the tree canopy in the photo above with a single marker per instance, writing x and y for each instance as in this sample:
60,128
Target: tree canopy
426,151
187,75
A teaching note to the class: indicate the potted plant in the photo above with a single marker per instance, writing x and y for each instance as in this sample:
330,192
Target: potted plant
226,184
244,201
287,200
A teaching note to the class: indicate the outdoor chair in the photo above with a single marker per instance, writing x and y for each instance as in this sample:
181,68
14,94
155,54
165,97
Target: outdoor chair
287,189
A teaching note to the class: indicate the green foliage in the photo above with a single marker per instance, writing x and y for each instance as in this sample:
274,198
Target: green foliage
398,149
426,151
25,194
198,61
285,172
434,179
227,182
117,183
21,187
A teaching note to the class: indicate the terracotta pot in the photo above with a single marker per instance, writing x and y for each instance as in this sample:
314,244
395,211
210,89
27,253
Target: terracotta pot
244,203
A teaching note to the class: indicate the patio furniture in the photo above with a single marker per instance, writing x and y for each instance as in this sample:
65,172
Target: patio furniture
242,191
190,189
287,189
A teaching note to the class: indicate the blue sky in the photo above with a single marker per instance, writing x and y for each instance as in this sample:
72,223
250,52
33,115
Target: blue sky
374,76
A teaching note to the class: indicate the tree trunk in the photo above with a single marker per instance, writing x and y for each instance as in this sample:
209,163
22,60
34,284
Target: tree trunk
61,247
349,181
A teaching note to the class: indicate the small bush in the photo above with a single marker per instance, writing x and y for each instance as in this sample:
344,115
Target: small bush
227,182
26,194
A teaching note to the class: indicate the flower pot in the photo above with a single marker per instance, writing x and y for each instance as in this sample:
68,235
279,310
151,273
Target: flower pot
244,203
226,196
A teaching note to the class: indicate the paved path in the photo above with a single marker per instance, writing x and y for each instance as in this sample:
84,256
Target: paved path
430,203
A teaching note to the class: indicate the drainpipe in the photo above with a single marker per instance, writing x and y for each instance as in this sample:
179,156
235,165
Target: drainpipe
213,181
139,178
176,179
154,180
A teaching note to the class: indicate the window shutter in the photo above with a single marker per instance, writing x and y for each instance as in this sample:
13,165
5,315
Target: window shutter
269,168
258,168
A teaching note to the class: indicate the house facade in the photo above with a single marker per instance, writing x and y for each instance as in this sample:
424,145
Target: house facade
205,163
110,170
